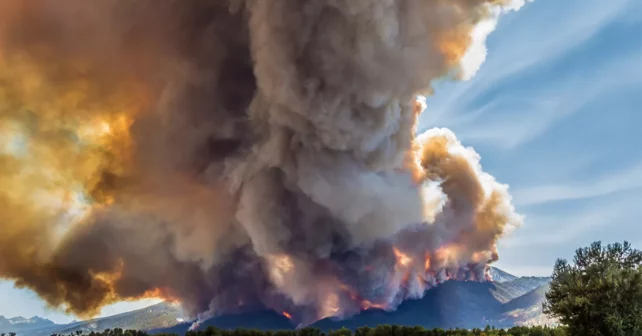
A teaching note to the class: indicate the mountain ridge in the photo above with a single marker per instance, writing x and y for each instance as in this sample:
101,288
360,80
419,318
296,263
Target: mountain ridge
507,301
499,275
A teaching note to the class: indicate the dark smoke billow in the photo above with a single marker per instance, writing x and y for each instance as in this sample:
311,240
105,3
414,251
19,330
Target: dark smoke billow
234,155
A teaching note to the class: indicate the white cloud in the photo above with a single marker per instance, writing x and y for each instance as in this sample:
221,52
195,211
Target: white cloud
614,182
614,218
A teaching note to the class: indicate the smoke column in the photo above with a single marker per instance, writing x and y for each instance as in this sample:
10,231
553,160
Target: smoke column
235,155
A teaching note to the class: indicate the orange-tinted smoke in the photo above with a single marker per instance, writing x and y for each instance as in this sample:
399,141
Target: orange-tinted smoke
74,79
116,120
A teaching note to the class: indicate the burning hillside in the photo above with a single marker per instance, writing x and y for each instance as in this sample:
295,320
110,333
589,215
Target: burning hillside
235,154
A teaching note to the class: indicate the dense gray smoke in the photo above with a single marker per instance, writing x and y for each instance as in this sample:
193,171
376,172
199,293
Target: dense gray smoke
236,155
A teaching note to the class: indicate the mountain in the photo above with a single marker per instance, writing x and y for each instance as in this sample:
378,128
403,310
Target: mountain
453,304
501,276
19,320
450,305
506,302
161,315
527,309
512,289
259,320
25,326
4,323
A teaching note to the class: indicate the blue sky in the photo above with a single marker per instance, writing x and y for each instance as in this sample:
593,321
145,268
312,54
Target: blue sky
556,113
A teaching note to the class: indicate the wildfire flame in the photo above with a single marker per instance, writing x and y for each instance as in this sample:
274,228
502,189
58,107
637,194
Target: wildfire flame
427,262
365,305
402,259
164,294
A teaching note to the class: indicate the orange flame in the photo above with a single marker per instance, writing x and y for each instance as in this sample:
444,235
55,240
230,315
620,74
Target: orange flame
110,279
286,314
366,304
448,252
164,294
480,257
402,258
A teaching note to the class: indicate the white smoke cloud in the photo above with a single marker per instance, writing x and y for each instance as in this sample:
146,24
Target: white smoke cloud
475,56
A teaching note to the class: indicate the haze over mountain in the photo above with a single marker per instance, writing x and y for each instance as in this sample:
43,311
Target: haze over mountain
506,302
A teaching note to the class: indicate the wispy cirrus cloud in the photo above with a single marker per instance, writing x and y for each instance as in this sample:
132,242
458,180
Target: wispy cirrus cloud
612,182
561,227
510,119
521,115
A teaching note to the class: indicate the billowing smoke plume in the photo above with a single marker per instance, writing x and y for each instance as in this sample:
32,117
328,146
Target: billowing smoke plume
239,154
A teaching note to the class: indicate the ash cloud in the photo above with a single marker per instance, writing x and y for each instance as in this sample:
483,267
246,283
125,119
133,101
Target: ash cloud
234,155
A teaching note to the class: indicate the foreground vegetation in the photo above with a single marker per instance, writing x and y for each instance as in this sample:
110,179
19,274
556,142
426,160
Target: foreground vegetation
382,330
600,293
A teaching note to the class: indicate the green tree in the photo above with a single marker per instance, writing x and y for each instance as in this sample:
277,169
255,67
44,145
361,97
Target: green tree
601,293
363,331
340,332
308,332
